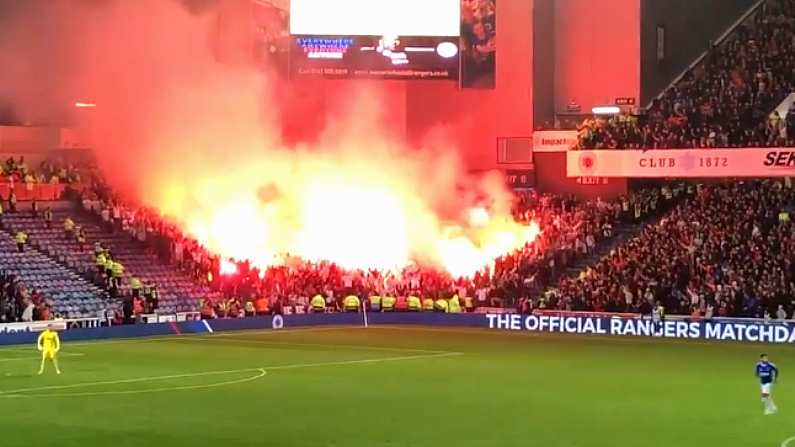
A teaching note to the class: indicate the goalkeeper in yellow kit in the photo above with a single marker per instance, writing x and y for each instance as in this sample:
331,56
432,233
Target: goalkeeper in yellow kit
49,344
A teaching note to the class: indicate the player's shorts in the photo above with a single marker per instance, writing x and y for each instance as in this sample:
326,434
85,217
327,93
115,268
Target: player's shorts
766,388
48,353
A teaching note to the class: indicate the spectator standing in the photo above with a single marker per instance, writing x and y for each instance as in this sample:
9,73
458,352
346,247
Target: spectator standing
21,239
48,217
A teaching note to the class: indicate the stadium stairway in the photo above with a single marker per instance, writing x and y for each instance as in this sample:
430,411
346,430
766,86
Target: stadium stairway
623,234
69,293
178,291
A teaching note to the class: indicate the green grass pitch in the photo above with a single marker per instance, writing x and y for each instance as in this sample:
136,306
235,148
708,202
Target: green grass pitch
394,386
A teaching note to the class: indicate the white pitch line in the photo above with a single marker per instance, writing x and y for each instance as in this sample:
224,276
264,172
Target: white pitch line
261,374
787,441
533,334
364,361
313,345
135,380
65,354
9,393
134,340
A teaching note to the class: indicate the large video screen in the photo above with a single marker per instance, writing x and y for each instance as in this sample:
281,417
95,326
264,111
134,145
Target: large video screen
385,39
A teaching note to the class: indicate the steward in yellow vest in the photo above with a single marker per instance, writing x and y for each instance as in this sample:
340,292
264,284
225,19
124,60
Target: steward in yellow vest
427,305
440,305
21,239
415,305
454,306
388,303
351,303
318,304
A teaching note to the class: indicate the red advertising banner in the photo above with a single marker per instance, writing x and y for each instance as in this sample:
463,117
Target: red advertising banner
682,163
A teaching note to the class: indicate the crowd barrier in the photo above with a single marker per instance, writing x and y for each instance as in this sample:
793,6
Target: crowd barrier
719,329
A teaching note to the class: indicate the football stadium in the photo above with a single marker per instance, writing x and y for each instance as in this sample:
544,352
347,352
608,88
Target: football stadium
334,223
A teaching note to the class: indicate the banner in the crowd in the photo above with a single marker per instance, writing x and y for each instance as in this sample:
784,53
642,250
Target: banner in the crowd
752,331
680,163
33,326
554,140
478,43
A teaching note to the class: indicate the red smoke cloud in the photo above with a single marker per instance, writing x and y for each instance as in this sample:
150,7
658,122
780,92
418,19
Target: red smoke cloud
201,141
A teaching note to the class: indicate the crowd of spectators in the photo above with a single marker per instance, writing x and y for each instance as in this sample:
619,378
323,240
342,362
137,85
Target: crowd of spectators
479,42
20,303
726,101
726,252
49,171
570,229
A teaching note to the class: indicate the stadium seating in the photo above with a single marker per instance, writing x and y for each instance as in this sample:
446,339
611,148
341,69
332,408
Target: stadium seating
178,293
728,100
726,248
69,293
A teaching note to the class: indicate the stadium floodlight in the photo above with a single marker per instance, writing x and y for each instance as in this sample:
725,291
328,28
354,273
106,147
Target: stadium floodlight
606,110
82,105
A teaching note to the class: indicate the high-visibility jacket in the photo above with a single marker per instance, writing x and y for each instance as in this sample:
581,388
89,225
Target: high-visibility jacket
318,303
440,305
375,303
388,303
117,269
454,306
21,237
101,260
135,283
415,305
351,303
427,304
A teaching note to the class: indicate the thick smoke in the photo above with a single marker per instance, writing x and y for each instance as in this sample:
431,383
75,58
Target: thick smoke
201,142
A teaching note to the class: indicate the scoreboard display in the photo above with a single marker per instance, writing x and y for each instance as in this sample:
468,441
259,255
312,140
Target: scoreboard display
383,39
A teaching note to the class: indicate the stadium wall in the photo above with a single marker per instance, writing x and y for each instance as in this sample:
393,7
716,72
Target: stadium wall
597,52
543,68
561,322
473,119
689,28
550,169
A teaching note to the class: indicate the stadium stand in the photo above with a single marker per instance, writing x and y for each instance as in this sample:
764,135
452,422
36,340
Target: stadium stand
723,252
65,291
728,100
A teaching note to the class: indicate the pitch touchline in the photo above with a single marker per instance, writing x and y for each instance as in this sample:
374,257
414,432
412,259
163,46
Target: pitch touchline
787,441
231,371
27,359
318,345
205,335
261,374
